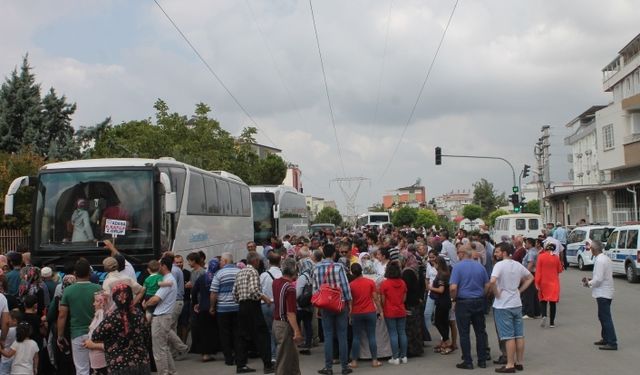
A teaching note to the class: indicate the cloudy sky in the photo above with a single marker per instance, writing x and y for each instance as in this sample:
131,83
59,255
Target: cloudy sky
505,69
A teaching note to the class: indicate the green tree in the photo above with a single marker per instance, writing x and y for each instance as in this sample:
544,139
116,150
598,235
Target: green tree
472,211
22,163
485,196
270,171
404,216
329,215
532,207
26,120
426,218
20,109
491,218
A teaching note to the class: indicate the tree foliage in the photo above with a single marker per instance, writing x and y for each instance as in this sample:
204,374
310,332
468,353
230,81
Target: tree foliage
426,218
491,218
329,215
485,196
28,120
23,163
532,207
404,216
472,211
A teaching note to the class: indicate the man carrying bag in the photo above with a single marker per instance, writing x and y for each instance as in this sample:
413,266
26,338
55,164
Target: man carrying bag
331,294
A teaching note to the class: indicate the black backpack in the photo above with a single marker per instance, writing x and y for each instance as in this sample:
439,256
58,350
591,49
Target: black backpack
304,299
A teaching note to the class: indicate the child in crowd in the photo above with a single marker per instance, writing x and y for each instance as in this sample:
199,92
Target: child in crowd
151,284
24,351
15,316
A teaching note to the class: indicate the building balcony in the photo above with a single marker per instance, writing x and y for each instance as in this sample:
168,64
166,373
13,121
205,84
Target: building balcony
632,150
617,70
631,103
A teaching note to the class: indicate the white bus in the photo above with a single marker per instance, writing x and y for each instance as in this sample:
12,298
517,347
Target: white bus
145,206
277,211
369,218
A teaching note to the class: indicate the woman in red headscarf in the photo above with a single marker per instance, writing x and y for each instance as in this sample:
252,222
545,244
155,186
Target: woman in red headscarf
123,335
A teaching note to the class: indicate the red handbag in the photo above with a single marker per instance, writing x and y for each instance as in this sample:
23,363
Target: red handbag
328,297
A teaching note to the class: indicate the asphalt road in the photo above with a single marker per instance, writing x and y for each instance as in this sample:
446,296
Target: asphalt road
566,349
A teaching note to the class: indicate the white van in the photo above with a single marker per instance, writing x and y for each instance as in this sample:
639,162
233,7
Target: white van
623,250
526,225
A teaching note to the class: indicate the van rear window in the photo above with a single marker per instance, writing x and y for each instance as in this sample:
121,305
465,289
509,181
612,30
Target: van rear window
533,224
521,224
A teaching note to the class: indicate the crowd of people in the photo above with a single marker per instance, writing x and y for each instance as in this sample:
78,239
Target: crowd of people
364,294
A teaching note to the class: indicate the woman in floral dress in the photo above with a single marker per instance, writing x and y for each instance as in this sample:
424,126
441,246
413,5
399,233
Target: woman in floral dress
123,335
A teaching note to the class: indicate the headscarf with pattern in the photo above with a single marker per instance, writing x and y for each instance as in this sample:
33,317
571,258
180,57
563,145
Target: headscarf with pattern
32,282
122,296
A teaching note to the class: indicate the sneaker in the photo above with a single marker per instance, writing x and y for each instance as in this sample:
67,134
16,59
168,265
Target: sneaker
526,317
404,360
325,371
394,361
244,370
543,322
552,326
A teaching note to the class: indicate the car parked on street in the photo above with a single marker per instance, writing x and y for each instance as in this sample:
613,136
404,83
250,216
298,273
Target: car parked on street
579,242
623,249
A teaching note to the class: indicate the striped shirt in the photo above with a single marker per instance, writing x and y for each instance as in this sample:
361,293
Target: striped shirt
223,283
337,277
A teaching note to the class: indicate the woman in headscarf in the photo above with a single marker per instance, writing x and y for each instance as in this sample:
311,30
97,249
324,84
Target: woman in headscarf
412,303
62,358
367,264
33,285
204,329
123,335
304,315
96,356
547,281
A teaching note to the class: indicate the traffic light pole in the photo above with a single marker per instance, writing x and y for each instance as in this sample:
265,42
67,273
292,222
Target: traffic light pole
513,171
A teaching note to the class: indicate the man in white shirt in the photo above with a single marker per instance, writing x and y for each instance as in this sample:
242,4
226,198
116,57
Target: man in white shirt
508,280
602,290
448,248
266,284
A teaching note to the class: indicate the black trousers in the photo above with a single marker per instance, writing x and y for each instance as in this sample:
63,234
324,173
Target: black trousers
253,329
230,338
530,303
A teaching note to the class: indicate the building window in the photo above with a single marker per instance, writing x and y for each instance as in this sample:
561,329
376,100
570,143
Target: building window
607,136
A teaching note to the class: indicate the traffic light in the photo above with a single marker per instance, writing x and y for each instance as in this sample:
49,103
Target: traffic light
438,156
515,200
525,171
523,203
515,189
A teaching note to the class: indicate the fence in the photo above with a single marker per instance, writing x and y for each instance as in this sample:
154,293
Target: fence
11,238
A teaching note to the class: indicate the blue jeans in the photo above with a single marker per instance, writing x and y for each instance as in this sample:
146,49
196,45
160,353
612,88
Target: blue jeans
267,312
429,308
608,332
335,324
471,312
397,336
367,322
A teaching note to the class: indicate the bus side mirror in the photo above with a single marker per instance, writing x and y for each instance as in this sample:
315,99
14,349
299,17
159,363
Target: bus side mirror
276,211
170,203
13,189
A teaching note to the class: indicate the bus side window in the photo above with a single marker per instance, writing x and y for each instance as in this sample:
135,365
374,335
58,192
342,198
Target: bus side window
178,175
197,204
246,201
236,200
223,196
211,192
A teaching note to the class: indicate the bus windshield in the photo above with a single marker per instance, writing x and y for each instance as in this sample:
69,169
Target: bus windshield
75,209
379,218
263,222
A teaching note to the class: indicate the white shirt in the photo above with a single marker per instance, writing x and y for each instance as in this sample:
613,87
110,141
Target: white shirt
129,270
23,360
11,337
508,274
266,282
449,251
167,296
431,273
601,283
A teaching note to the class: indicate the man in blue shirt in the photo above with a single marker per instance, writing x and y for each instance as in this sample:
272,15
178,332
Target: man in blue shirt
560,234
468,286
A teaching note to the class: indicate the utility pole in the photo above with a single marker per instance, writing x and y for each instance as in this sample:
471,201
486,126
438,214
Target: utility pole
542,154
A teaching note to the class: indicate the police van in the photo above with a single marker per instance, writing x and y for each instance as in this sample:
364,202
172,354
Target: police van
579,242
623,250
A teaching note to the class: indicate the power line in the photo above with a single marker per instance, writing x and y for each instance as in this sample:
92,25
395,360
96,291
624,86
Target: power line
273,61
424,83
206,64
384,58
326,88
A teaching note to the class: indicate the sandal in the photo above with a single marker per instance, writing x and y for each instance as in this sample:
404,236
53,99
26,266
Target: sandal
448,350
376,364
